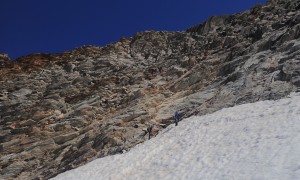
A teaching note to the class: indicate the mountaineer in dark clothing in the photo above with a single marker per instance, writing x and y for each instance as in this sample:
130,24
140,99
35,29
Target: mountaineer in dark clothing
177,116
149,130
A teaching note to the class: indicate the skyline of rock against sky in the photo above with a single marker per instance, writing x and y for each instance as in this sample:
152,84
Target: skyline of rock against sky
56,26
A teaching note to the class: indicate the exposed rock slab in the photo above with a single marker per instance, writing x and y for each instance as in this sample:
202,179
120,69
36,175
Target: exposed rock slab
59,111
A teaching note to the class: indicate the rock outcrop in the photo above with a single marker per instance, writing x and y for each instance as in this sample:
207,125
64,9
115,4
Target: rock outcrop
59,111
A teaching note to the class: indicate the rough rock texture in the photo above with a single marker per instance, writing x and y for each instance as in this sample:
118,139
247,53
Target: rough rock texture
59,111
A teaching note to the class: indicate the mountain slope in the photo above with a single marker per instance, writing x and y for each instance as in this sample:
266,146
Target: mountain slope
251,141
60,111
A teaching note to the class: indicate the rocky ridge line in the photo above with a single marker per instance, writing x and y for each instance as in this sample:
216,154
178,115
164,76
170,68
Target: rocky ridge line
59,111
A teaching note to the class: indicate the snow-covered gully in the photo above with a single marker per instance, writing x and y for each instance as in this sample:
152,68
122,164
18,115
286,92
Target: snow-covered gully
251,141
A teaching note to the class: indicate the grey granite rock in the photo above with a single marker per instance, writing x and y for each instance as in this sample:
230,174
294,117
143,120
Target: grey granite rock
60,111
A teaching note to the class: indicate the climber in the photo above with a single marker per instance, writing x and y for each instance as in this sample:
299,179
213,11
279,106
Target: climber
149,130
177,116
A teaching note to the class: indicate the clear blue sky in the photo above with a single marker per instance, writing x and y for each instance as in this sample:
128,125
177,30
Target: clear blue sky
49,26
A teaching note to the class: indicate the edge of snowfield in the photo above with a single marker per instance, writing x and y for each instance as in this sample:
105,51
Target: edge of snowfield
251,141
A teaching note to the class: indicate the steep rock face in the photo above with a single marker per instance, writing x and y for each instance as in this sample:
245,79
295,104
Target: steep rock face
59,111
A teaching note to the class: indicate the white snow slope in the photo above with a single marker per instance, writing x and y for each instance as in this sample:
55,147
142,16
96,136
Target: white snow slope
251,141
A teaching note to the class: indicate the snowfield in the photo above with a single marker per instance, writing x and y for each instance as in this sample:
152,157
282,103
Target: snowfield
251,141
